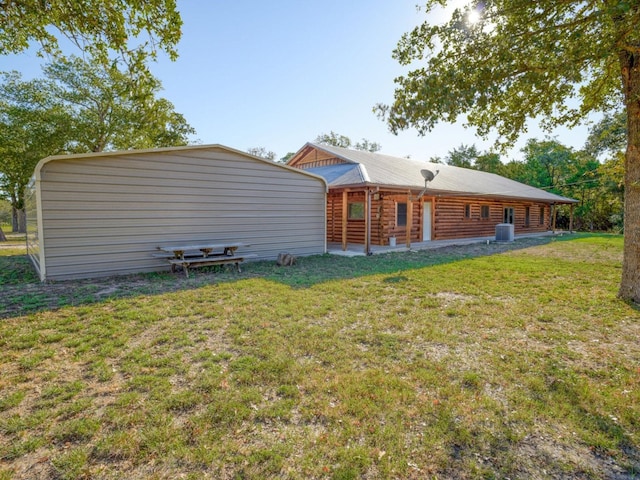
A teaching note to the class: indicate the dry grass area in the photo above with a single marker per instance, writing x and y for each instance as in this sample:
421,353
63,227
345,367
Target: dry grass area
460,363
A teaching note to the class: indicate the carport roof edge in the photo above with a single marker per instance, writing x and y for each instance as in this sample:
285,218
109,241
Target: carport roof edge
79,156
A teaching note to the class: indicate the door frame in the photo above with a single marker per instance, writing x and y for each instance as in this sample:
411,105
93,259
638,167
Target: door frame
509,215
427,221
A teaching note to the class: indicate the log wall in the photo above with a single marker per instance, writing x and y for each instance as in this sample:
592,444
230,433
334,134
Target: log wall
388,227
383,219
450,221
448,217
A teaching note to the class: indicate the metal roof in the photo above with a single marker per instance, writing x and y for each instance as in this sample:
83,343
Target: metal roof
368,168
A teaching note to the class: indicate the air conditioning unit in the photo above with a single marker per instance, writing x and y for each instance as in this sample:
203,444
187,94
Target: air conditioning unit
504,232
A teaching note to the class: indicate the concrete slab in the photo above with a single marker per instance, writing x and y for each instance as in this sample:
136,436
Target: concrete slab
357,250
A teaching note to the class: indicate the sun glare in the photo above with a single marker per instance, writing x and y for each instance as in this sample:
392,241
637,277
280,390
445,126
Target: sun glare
473,16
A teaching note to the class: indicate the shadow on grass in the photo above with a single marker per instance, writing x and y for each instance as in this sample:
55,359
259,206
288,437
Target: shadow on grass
603,432
21,293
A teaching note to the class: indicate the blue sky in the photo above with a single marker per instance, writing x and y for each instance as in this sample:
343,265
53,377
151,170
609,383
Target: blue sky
277,74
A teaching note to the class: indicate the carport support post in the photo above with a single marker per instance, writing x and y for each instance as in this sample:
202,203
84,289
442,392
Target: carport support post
345,213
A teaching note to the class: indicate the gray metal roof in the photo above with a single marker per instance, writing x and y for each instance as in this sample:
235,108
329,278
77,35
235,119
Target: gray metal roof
342,174
362,167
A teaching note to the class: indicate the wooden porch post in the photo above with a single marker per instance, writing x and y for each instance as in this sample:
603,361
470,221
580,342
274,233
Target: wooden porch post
367,222
345,213
571,218
409,218
553,218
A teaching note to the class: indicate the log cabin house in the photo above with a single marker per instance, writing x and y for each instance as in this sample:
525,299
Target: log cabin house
377,199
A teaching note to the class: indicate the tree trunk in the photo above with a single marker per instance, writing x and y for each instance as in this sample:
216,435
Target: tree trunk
18,220
630,283
14,220
22,221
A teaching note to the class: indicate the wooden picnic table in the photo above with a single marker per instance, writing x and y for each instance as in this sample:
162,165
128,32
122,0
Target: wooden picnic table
203,254
206,249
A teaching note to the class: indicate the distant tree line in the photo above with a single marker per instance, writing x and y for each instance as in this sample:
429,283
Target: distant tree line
593,175
343,141
332,138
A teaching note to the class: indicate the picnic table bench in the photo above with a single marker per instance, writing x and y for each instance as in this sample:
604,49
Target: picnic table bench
202,254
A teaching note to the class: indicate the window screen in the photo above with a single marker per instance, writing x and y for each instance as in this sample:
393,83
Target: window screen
356,211
401,215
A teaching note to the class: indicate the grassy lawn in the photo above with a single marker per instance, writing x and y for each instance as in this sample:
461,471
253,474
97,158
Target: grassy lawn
454,363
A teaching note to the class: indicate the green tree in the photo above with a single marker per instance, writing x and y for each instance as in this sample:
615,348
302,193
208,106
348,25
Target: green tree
133,31
333,139
523,60
112,111
368,146
515,170
548,164
5,211
470,157
78,108
489,162
552,166
288,156
337,140
262,153
33,125
463,156
608,136
580,179
611,179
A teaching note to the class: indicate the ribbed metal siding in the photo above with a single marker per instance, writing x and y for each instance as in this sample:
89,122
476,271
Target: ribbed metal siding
106,215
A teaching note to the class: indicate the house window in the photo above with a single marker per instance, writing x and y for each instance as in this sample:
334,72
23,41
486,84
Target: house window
508,215
527,216
541,220
467,210
356,211
484,212
401,214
